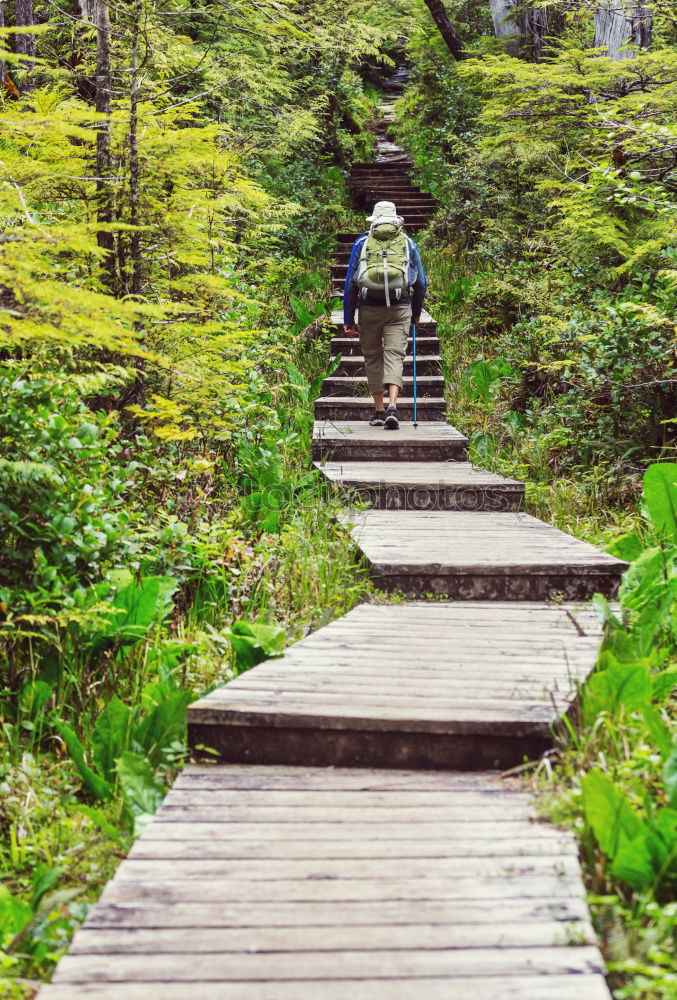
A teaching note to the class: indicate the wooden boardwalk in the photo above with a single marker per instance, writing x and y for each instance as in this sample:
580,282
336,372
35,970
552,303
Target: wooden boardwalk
274,883
356,839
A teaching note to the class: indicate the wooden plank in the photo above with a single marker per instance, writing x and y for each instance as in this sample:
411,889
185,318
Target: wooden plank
423,486
344,869
432,473
391,937
353,438
550,987
330,779
373,719
511,886
332,966
529,844
199,802
187,824
395,799
184,824
569,914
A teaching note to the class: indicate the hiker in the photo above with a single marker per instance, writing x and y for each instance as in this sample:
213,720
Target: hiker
388,299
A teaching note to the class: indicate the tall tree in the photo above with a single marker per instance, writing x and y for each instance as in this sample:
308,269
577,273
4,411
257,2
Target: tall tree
438,12
619,23
103,163
3,64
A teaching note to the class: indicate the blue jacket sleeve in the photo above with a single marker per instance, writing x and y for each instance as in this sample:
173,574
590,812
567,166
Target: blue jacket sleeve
350,287
421,283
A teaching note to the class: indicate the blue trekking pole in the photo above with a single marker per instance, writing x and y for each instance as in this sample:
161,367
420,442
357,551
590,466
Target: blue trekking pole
413,346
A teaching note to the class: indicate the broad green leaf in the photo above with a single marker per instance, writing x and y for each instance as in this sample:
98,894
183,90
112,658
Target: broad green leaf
639,861
34,697
628,547
660,497
617,687
659,732
138,606
643,579
664,683
255,642
44,879
98,786
608,813
14,915
142,794
111,737
162,726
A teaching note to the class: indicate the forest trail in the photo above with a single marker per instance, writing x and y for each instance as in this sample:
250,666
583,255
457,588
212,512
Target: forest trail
356,840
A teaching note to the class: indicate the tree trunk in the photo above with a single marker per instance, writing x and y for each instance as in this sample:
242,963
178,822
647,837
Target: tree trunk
3,64
25,44
505,25
134,172
438,12
530,25
619,23
104,215
87,10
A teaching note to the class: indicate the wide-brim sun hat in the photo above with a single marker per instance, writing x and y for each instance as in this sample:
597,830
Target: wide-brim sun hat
385,211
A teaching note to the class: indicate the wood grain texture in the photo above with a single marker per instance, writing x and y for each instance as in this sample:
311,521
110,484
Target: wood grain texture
402,485
485,555
354,440
479,987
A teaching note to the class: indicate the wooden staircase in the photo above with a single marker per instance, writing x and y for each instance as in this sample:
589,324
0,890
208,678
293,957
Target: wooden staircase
355,840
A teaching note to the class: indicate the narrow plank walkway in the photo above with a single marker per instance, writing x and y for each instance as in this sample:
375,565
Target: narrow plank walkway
278,883
295,869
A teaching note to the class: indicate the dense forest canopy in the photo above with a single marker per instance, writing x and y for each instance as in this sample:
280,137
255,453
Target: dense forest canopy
172,177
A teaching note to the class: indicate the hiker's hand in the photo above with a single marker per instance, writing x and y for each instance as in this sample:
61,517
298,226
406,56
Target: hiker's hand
350,331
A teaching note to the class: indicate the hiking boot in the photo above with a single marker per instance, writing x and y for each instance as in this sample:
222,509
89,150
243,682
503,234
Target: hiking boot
378,418
391,422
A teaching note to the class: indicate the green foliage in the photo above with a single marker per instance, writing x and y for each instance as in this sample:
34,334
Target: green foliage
643,853
254,642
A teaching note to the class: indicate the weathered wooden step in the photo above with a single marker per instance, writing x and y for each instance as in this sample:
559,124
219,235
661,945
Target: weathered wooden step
399,485
399,686
350,346
357,441
362,407
391,167
480,556
428,364
404,198
427,386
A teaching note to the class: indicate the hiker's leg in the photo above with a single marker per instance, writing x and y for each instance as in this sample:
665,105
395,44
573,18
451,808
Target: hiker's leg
370,329
395,337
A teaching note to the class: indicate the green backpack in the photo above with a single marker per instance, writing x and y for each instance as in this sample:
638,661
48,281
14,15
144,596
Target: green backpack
384,262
